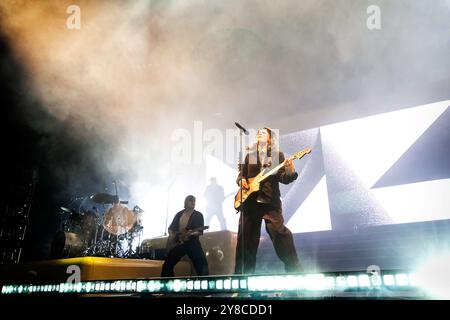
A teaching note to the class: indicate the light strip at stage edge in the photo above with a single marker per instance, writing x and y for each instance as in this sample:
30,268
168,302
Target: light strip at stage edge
227,284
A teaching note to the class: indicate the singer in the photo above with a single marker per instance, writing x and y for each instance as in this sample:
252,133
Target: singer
264,204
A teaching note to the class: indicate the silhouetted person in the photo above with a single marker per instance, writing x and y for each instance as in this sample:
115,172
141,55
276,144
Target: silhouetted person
214,203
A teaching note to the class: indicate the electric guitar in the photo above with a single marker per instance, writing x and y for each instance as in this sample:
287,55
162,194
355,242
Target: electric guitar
181,237
254,183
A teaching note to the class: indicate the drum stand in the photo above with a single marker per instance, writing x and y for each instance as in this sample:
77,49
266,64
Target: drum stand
130,253
108,247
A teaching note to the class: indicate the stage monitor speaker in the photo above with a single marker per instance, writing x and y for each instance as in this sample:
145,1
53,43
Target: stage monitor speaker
220,251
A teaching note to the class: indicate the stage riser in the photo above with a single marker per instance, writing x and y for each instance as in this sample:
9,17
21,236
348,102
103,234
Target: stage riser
90,269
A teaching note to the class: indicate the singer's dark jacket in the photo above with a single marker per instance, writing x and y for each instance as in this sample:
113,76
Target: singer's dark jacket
269,191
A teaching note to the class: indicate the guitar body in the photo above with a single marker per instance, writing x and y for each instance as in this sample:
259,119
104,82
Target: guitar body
253,184
181,237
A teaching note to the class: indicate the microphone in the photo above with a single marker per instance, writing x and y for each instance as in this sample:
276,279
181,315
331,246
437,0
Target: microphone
241,127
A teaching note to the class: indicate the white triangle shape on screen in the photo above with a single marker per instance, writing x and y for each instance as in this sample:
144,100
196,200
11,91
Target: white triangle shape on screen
414,202
370,146
314,213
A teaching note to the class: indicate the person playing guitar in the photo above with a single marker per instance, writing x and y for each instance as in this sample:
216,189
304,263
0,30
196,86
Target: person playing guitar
184,232
260,174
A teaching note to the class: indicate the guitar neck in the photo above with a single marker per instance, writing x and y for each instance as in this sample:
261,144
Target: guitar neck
272,171
298,155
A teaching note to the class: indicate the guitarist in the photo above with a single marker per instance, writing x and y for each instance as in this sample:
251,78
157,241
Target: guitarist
185,221
264,204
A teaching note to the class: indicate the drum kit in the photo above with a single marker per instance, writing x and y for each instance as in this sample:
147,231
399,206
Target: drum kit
102,226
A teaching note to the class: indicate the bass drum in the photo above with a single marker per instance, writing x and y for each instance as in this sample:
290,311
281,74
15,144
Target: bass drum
67,245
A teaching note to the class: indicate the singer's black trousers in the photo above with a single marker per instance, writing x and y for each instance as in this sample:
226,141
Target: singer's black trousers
249,234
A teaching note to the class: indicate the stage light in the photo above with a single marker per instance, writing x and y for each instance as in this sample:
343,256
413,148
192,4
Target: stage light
154,285
375,280
412,279
352,281
140,287
227,284
253,283
388,280
177,285
341,281
286,283
401,279
330,282
262,283
315,282
434,277
270,282
364,280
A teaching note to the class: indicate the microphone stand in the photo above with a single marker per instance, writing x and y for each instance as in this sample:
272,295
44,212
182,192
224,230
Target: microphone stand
241,207
167,204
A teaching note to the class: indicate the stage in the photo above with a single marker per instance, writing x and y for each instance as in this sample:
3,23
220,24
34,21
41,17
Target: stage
113,277
226,135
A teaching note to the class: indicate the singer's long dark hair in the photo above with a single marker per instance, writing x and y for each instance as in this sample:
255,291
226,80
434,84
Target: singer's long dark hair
272,147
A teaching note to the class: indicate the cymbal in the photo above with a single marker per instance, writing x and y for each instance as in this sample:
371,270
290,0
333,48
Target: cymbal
104,198
65,209
68,210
